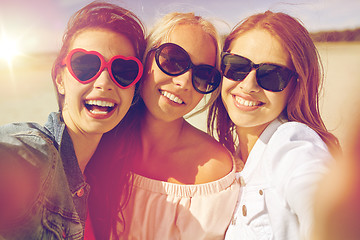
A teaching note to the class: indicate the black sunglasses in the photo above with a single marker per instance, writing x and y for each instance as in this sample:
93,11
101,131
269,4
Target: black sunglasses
173,60
269,76
86,66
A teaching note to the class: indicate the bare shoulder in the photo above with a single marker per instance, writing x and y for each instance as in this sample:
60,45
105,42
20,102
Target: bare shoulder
213,160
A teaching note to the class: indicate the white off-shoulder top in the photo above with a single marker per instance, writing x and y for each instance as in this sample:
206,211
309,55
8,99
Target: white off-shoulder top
163,210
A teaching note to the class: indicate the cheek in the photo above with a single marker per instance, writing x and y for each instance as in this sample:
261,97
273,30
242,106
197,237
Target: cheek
226,87
127,95
146,84
151,73
151,81
69,83
197,97
278,100
228,84
74,91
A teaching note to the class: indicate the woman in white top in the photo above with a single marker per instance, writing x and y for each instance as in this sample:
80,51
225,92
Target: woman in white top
183,184
268,117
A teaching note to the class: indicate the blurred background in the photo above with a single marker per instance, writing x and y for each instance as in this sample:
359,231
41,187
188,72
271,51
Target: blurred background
31,32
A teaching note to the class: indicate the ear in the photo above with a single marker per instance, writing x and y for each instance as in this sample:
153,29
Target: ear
60,85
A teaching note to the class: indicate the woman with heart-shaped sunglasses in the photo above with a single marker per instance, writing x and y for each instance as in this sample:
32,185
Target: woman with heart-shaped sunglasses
43,188
268,116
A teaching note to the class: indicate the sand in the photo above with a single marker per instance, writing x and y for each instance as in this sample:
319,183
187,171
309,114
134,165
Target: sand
27,93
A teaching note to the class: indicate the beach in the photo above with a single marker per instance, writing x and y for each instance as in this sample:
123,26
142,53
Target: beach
27,93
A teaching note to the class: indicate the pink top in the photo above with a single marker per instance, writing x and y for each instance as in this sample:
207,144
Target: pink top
163,210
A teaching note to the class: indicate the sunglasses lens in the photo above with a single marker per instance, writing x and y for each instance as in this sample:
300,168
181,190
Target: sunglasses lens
206,78
235,67
269,76
85,66
124,71
172,59
273,78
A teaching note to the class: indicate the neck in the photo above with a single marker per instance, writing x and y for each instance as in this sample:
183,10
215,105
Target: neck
247,137
156,133
84,146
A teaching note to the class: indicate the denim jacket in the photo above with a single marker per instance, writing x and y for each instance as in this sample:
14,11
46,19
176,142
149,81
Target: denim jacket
43,194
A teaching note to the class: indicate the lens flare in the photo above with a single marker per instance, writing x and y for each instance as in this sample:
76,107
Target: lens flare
8,48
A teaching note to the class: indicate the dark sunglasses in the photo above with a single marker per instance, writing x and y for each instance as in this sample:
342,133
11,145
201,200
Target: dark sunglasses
173,60
269,76
86,66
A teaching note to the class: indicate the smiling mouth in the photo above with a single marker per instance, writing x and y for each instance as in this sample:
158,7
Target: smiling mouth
99,106
171,97
247,103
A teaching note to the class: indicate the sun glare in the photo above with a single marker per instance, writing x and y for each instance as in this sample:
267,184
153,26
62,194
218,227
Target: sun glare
8,48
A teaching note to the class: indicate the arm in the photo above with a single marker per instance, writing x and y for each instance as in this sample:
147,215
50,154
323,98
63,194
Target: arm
300,160
25,163
19,186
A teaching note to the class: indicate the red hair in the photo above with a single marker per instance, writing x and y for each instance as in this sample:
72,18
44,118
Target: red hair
303,104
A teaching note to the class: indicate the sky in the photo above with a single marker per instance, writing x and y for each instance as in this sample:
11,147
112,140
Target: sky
38,25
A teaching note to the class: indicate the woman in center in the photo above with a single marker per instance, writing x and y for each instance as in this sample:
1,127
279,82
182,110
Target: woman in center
183,182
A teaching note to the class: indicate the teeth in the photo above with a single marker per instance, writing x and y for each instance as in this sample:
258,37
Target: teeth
98,112
246,102
100,103
172,97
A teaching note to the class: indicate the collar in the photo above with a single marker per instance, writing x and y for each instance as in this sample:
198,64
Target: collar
56,126
258,150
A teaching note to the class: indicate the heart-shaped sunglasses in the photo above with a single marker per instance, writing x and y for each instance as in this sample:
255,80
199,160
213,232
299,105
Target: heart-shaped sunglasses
86,66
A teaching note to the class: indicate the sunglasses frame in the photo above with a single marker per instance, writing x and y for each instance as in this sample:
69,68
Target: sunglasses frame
190,66
252,65
104,64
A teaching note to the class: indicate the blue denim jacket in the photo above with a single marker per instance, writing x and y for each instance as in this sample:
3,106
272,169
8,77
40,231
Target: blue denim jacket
43,194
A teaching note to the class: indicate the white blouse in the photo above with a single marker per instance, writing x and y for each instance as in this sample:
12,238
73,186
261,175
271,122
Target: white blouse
163,210
278,183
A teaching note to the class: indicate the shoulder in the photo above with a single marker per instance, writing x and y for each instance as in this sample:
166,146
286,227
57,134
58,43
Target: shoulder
24,129
27,147
214,160
29,143
27,157
296,139
295,153
28,136
292,135
298,131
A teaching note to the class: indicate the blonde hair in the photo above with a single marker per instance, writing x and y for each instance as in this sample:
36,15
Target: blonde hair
162,30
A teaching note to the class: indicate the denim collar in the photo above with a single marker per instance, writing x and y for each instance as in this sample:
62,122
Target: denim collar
56,126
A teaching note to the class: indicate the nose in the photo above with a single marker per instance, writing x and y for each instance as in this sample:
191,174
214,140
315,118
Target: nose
104,81
184,80
249,84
